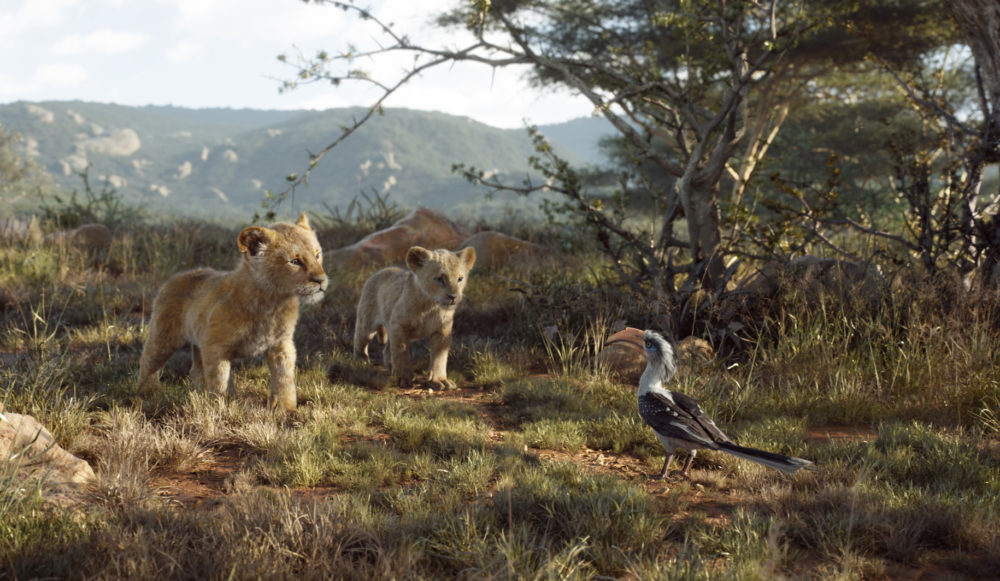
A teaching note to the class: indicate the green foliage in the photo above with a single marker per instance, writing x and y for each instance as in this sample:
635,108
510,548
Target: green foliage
363,215
102,207
20,177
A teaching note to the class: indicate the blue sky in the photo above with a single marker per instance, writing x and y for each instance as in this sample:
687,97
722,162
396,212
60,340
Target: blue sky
223,53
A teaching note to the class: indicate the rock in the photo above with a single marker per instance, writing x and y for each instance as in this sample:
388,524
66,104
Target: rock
34,454
494,249
812,274
693,353
86,237
421,227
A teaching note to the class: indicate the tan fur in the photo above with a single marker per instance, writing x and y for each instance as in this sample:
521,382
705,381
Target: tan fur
240,313
400,306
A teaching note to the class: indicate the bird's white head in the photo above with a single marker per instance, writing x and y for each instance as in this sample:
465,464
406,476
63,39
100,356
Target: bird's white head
660,362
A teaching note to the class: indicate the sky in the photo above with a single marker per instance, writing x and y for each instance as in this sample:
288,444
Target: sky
223,53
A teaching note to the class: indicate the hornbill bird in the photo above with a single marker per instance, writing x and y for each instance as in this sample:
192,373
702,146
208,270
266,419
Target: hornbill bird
677,419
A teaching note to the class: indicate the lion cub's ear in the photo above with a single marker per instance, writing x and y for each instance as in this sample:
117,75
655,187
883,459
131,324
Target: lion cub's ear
468,257
416,257
254,240
303,221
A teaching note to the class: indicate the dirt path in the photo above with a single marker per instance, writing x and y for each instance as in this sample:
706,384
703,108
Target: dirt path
209,481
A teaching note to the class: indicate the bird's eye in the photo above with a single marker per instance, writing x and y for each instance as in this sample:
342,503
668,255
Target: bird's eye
295,262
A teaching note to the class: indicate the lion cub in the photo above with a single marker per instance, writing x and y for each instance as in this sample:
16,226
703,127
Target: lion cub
240,313
400,307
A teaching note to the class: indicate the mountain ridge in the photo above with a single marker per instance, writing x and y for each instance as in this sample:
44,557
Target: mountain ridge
221,161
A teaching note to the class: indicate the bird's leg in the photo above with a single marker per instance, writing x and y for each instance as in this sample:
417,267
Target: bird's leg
666,465
687,463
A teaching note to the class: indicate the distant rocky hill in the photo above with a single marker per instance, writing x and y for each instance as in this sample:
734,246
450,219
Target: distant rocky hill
220,161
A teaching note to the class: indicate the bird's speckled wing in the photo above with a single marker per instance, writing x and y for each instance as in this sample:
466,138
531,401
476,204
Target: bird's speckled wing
671,420
692,409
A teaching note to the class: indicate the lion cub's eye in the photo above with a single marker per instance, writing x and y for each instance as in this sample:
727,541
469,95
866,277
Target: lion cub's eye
461,278
440,279
295,262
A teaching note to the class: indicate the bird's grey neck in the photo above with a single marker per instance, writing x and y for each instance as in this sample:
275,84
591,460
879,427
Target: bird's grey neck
659,370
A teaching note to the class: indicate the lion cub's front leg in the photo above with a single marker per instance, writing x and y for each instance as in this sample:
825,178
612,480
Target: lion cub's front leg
440,344
399,362
281,364
215,371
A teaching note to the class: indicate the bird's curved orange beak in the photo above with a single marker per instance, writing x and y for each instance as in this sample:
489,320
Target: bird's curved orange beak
628,337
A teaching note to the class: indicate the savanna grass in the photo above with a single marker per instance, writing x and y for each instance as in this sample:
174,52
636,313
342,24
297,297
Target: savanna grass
364,481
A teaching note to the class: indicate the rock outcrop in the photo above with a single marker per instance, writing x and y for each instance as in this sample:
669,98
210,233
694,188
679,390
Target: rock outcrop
30,453
812,274
494,249
421,227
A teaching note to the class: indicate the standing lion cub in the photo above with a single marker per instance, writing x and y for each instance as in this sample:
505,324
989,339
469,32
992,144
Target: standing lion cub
402,306
239,313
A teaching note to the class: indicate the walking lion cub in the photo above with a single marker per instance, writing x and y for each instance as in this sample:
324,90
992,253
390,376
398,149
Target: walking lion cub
239,313
400,306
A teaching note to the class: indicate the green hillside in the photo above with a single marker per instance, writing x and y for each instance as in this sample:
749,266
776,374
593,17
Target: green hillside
221,161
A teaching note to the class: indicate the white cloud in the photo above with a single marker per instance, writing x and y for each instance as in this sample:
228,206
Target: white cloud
221,53
34,15
60,75
256,21
103,41
184,51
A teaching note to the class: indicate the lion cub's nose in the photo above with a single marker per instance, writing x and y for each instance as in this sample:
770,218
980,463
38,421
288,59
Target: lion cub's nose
321,280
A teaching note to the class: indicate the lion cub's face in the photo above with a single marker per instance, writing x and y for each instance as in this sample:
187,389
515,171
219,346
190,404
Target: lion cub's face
286,259
441,274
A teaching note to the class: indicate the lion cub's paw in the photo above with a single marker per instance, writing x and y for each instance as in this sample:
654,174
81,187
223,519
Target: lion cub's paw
441,384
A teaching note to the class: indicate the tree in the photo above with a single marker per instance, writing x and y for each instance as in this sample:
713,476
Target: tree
697,89
979,22
949,134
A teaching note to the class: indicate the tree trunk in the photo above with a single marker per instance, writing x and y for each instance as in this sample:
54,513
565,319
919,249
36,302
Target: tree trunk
979,21
701,209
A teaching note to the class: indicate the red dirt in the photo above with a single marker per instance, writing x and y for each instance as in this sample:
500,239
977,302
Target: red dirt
828,434
206,484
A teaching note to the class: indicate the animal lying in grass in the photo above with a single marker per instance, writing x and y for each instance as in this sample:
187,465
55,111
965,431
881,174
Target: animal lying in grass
401,306
240,313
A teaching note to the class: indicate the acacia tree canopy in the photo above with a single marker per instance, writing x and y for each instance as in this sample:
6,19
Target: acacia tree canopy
697,89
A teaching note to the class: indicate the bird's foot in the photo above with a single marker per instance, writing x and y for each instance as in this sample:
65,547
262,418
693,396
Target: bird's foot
671,476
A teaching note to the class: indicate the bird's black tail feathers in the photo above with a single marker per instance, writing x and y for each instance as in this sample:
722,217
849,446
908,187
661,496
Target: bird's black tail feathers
787,464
